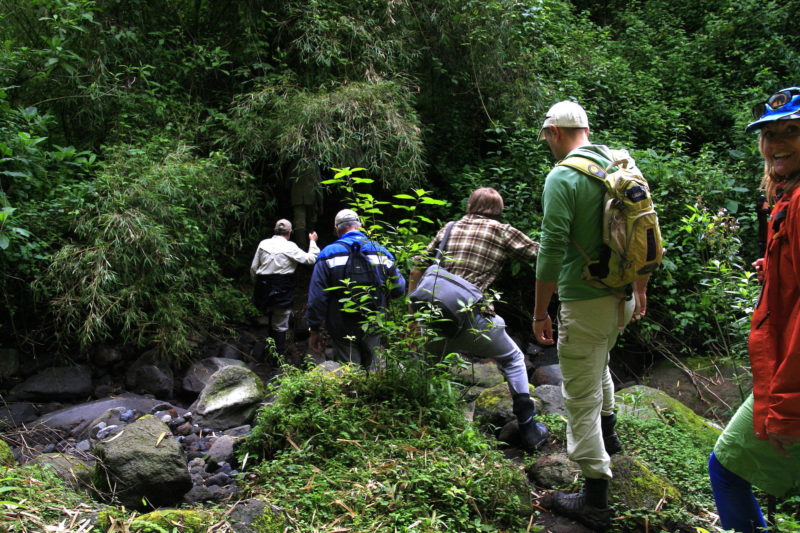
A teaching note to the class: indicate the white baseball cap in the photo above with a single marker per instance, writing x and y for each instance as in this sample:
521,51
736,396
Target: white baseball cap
345,215
566,114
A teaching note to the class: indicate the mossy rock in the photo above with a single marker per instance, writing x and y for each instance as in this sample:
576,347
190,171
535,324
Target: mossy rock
257,516
635,486
646,403
494,406
72,470
185,520
6,455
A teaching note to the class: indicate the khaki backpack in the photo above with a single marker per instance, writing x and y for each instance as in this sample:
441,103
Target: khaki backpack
631,234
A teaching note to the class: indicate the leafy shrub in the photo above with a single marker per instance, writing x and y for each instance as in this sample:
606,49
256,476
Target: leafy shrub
144,264
368,451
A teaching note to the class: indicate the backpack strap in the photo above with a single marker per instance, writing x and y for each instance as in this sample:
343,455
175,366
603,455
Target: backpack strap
586,166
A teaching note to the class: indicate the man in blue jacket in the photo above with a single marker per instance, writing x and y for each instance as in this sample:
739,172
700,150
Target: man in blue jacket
353,270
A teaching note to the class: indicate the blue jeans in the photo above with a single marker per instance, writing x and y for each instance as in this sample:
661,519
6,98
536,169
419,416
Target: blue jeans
737,506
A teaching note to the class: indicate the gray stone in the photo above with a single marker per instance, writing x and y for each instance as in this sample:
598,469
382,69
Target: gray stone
197,376
9,363
481,373
144,461
106,355
150,379
56,383
550,399
16,414
555,471
77,420
222,450
230,399
72,470
257,516
547,375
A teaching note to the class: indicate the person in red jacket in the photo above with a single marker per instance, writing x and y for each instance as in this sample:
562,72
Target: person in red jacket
761,444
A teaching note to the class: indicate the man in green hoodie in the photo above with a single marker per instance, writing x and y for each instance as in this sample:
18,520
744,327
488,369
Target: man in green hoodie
588,317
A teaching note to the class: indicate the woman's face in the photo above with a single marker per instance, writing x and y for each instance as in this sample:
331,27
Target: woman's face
780,146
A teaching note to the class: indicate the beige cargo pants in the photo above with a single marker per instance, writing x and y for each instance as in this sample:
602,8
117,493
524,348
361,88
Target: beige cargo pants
587,330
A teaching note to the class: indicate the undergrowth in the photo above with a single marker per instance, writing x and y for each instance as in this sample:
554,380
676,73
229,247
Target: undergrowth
370,452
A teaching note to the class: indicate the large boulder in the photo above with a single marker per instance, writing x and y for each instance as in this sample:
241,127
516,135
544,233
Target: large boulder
646,403
196,378
149,375
77,420
143,462
9,363
230,399
56,383
708,389
494,407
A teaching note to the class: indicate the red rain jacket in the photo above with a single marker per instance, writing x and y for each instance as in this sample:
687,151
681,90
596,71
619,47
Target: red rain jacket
775,328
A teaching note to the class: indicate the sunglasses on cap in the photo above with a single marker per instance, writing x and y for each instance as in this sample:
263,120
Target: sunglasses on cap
774,102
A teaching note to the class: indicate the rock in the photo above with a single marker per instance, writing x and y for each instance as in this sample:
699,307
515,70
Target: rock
646,403
716,389
555,471
73,471
184,520
257,516
547,375
481,373
551,399
56,383
493,406
635,486
6,454
150,379
197,376
77,420
144,461
106,355
222,450
240,431
230,399
9,363
16,414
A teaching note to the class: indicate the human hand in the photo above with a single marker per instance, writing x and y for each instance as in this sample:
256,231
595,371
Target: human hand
543,331
312,236
641,306
781,442
758,264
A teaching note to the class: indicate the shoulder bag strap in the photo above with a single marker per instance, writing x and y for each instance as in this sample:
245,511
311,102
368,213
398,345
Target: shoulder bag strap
443,244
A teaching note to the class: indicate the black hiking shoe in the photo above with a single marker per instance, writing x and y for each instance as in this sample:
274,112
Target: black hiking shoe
589,506
611,440
532,434
574,506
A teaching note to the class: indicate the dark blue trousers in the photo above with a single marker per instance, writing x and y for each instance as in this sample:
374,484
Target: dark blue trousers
737,506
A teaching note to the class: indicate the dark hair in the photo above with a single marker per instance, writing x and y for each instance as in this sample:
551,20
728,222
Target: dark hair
485,201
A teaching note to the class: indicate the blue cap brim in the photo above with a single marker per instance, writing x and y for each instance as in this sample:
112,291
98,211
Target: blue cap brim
772,117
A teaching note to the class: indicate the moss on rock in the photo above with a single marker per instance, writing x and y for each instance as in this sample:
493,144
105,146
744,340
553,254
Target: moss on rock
647,403
186,520
635,486
6,455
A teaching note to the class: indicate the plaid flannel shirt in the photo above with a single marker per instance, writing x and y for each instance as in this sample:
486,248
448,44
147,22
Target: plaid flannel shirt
478,246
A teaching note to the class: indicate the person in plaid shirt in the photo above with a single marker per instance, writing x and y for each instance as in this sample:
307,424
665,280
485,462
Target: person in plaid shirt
476,250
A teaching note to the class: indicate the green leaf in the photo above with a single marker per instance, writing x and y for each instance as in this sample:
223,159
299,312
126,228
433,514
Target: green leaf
3,242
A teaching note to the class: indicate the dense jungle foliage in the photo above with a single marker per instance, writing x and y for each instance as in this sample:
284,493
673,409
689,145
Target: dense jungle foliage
147,146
